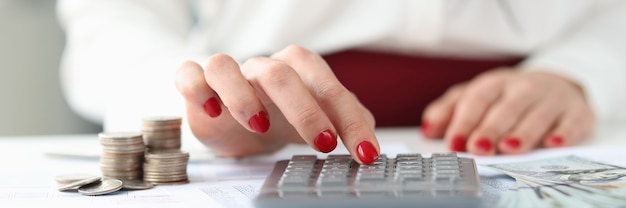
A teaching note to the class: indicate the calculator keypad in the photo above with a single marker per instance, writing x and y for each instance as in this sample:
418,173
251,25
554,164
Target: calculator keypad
441,180
407,173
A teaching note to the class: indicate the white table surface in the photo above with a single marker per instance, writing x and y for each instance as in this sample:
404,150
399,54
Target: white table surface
28,165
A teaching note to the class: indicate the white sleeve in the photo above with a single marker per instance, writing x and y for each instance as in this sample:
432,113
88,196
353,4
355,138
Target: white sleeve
122,55
594,56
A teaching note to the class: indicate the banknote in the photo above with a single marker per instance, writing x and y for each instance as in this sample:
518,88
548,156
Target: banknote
569,169
567,181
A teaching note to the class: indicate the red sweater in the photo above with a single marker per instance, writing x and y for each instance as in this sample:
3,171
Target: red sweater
397,88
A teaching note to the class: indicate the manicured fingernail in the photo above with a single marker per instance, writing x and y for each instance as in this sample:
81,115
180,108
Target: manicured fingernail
512,142
212,107
458,143
555,141
483,145
259,122
424,127
326,141
367,152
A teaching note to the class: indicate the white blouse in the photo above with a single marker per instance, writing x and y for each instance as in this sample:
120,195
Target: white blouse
121,55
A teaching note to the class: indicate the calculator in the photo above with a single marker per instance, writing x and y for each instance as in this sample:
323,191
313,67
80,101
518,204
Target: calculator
409,180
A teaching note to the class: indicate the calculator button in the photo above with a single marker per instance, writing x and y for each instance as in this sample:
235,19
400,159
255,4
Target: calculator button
448,171
334,168
410,167
327,169
335,172
445,167
409,162
303,158
443,155
294,180
299,169
332,180
330,157
371,168
415,155
409,172
371,172
293,173
445,162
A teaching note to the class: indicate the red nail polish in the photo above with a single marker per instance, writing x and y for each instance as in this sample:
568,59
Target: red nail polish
326,141
367,152
212,107
424,127
458,143
512,142
483,145
555,141
259,122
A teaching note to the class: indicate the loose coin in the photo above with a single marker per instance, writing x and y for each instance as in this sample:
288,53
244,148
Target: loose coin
80,183
72,177
104,187
137,185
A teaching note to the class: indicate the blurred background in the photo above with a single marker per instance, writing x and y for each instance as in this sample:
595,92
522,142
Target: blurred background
31,100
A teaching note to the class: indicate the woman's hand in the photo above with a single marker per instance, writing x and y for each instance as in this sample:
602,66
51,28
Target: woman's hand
509,112
267,102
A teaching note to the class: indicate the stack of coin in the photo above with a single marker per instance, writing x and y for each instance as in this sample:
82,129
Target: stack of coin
168,167
162,133
122,155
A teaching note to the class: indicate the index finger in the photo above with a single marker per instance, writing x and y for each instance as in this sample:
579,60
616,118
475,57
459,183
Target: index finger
340,105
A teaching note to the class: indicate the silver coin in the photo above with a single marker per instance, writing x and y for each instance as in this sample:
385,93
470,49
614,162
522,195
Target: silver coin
137,185
123,178
164,147
161,128
168,154
164,170
127,148
165,179
124,150
162,120
163,142
170,183
72,177
124,175
121,167
107,155
104,187
172,133
78,184
153,165
119,135
168,163
116,140
120,163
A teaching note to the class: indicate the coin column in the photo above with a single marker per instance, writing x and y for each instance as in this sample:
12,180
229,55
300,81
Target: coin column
122,155
162,133
166,167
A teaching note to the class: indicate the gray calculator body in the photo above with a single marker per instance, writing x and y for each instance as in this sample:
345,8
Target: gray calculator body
409,180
